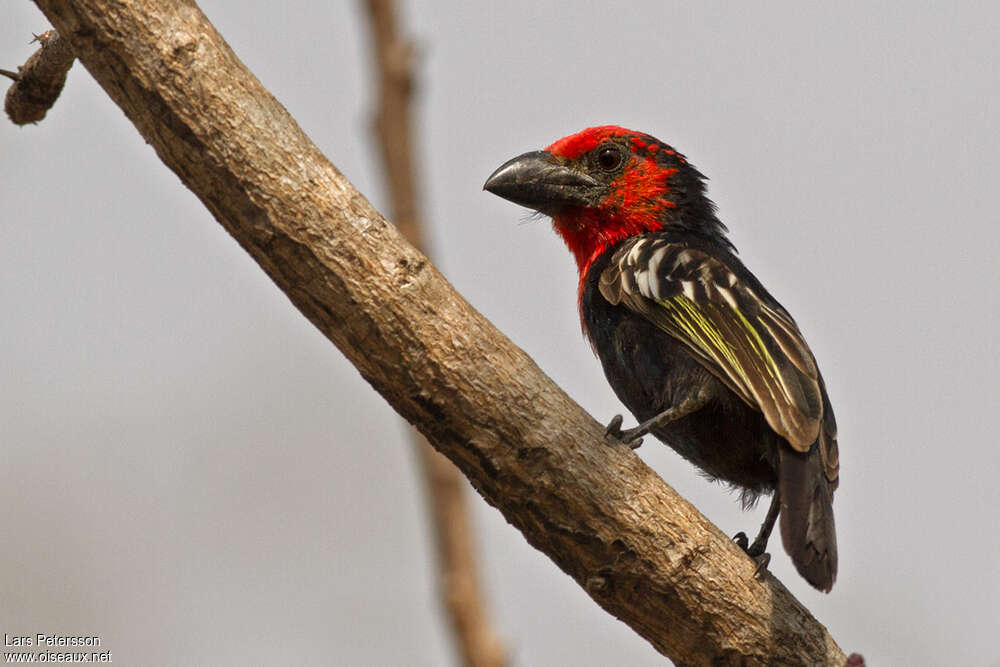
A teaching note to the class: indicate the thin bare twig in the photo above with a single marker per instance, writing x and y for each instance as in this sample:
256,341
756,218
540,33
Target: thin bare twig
458,575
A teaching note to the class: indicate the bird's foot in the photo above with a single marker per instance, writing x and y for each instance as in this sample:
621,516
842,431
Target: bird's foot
757,548
755,551
631,437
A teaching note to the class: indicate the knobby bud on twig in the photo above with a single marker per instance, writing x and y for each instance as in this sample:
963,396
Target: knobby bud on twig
39,81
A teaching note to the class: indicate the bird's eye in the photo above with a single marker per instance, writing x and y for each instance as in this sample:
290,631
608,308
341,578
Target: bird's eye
609,158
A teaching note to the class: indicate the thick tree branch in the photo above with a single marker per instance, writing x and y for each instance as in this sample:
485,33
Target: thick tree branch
641,552
447,500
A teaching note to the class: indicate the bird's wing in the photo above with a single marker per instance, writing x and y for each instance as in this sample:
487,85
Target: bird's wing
751,344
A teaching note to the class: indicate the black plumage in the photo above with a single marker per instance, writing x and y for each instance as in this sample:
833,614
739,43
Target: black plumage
652,370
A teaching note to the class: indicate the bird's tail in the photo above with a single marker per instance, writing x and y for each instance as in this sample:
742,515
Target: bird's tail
807,527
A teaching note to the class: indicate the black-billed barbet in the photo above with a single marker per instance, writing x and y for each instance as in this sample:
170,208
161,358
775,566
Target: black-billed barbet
691,342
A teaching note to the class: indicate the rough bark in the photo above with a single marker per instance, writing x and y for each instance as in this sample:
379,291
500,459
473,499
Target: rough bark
640,551
447,500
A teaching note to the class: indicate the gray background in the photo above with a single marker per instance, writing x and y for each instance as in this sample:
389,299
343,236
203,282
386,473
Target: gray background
192,472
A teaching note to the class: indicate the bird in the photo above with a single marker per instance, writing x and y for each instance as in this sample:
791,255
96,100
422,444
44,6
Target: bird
689,339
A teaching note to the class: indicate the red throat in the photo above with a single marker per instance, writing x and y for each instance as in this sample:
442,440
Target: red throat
588,234
637,203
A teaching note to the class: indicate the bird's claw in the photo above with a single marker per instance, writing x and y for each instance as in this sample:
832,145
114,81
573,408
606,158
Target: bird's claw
614,429
614,432
755,551
762,560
